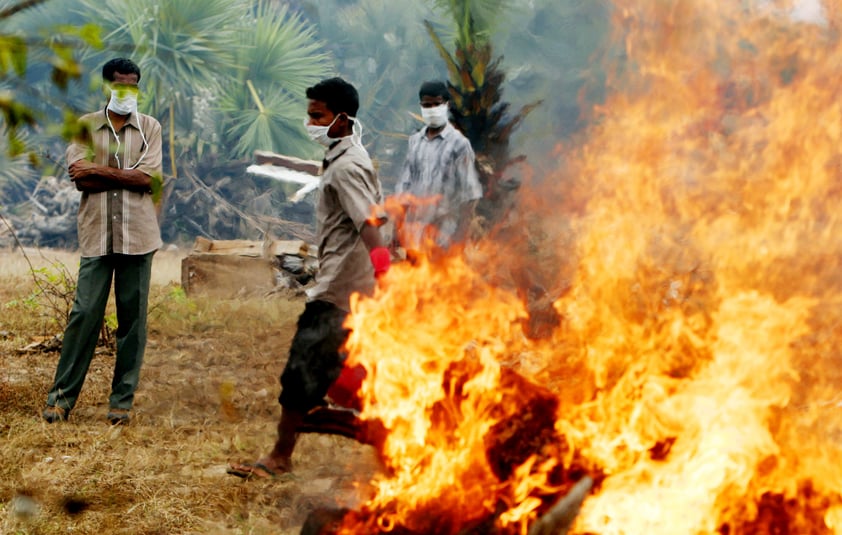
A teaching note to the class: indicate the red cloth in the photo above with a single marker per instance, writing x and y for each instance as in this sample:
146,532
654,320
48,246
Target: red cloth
345,391
381,259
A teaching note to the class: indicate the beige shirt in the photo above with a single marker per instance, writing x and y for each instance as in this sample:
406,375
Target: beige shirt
118,221
349,194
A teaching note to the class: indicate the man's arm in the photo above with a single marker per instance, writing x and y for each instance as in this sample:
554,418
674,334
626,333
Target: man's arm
95,178
469,190
371,237
380,256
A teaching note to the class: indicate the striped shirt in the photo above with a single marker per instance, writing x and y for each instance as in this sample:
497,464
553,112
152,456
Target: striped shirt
118,221
440,174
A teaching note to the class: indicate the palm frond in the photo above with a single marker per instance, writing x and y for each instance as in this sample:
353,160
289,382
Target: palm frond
280,48
183,42
263,105
273,124
17,175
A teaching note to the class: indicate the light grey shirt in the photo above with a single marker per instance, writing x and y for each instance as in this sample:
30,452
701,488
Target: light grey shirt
441,175
118,221
349,195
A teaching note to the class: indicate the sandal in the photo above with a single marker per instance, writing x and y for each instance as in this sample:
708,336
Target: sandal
53,414
249,470
117,416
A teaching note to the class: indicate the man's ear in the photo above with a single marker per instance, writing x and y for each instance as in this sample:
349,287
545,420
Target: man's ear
341,126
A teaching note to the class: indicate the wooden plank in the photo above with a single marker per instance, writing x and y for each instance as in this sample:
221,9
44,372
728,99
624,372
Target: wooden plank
292,247
202,245
266,249
227,276
228,247
290,162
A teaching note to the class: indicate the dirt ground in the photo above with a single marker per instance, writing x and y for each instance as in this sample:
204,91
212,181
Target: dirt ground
207,396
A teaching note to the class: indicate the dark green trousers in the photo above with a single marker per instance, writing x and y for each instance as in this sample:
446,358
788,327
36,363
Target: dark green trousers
131,275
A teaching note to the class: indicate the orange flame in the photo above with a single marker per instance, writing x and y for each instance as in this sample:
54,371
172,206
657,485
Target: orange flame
691,246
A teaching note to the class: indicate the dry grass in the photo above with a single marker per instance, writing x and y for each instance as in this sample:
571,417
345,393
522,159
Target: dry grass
207,396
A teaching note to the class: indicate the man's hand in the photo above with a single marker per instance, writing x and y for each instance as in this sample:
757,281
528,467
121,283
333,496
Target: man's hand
94,178
81,169
381,259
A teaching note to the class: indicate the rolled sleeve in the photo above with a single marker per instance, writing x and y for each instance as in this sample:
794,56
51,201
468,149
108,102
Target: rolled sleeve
467,177
357,200
81,147
151,164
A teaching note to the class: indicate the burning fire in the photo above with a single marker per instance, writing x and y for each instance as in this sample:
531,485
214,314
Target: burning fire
691,248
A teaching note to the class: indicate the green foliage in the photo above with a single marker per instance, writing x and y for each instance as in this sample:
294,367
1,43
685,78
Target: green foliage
476,87
55,290
474,20
263,104
381,47
16,170
157,186
171,303
12,55
55,47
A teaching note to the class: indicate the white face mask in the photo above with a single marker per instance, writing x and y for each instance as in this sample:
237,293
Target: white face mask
319,133
436,116
123,102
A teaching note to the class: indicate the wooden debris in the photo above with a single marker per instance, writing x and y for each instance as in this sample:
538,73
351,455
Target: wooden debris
241,268
310,167
44,345
526,415
288,169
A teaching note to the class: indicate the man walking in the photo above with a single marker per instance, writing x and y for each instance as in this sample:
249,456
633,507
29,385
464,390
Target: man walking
351,254
439,183
115,162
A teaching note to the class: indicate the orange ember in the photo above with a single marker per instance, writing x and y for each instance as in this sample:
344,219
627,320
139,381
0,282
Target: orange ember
686,261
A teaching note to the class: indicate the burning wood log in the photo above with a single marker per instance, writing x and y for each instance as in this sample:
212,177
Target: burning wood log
557,521
525,433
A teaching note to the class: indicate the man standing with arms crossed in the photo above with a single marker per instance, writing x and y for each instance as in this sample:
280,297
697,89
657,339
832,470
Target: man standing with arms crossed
116,163
351,254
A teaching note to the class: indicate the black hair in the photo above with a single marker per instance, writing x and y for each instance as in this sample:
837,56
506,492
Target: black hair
121,65
434,88
338,95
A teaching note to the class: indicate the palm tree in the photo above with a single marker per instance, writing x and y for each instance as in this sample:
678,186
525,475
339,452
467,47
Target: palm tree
476,80
224,77
38,66
263,103
381,47
180,46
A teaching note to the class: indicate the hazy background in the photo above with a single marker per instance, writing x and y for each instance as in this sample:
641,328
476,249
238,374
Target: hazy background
227,77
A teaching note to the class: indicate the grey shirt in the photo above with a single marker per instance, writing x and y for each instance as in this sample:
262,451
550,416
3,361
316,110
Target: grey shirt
441,175
118,220
349,195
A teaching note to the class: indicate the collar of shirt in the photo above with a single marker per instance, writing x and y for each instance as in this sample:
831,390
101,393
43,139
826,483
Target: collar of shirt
100,120
336,150
446,131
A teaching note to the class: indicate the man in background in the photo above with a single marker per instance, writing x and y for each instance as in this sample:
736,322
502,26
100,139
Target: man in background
439,184
116,163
